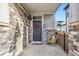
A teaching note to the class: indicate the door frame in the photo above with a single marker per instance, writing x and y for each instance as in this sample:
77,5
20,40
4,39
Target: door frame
32,31
41,31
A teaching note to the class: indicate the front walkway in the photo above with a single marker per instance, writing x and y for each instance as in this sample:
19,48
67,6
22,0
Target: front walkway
43,50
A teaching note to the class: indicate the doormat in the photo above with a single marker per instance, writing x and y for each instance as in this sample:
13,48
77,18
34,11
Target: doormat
37,43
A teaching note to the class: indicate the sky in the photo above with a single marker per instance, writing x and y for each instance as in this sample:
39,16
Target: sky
60,13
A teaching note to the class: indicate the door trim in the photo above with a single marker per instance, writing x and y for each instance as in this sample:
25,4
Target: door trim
32,29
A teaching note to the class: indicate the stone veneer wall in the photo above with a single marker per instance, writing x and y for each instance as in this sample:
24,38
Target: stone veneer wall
4,36
73,43
27,24
19,29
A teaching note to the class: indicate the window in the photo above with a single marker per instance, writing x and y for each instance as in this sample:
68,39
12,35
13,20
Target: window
37,17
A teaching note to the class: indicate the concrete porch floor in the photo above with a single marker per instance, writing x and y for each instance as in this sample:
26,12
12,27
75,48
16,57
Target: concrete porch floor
43,50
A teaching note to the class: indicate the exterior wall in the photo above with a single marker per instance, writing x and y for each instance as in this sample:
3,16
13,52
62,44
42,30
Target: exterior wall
46,23
73,22
4,36
4,13
67,13
20,24
49,21
74,12
63,28
4,29
14,25
73,29
16,31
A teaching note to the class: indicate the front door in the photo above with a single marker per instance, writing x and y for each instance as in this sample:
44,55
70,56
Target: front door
37,31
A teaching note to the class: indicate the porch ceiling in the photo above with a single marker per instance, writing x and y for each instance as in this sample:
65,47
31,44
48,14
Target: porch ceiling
41,7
